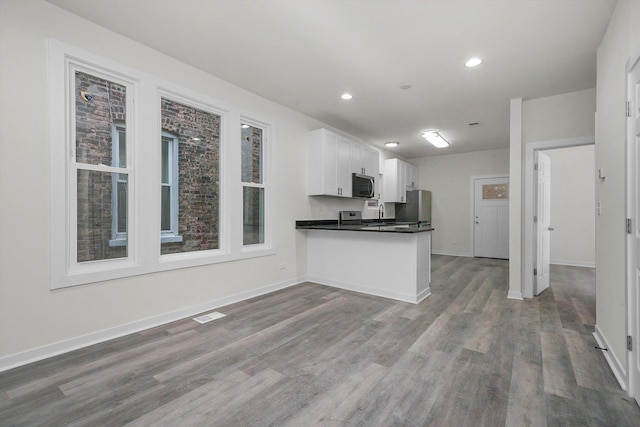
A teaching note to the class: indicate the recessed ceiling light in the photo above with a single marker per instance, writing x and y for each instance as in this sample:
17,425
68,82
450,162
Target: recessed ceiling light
391,144
346,96
473,62
434,137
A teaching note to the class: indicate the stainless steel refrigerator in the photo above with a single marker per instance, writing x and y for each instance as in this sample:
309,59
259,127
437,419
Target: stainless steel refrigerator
417,208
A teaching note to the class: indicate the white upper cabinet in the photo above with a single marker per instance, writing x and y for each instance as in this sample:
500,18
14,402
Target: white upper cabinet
395,181
329,163
412,176
364,160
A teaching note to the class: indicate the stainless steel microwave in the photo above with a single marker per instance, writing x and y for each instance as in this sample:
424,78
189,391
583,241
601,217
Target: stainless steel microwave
362,186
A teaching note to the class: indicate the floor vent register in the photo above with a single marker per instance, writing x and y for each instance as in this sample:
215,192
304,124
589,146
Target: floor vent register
208,317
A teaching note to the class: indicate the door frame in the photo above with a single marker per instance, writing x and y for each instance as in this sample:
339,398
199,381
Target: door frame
529,204
631,308
472,204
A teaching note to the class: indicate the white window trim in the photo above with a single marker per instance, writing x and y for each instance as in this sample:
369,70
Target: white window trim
267,129
143,168
265,184
65,270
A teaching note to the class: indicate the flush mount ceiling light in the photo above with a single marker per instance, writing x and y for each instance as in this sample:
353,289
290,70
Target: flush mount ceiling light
435,138
244,126
473,62
391,144
346,96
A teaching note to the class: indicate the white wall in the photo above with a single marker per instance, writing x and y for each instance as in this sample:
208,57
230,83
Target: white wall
34,319
573,206
621,41
448,178
569,115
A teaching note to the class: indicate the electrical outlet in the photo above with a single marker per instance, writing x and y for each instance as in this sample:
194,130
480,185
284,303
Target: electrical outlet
283,266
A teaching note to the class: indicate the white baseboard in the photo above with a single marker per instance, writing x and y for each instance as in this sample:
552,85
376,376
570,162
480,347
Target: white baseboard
618,370
572,263
515,295
23,358
414,299
450,253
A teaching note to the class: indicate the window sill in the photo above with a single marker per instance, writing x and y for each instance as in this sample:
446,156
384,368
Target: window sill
170,238
165,238
118,241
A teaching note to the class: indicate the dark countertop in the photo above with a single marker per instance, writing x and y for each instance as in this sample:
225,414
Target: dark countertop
387,226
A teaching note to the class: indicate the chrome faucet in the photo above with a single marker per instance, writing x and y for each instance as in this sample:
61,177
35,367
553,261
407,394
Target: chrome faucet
380,211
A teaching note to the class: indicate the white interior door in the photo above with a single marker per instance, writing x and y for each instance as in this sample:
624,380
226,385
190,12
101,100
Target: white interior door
543,221
634,291
491,218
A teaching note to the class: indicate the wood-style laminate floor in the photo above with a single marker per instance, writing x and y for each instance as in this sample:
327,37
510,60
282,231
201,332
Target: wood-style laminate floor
313,355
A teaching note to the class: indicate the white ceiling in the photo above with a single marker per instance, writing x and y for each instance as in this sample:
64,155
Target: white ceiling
304,54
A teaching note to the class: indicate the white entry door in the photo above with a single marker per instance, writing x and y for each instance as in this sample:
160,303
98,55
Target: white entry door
633,96
543,222
491,218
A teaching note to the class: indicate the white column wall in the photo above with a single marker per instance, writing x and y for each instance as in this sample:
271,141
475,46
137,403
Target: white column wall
621,41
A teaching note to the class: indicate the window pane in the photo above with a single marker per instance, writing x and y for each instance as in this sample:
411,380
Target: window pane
122,206
122,148
253,215
95,215
251,154
165,160
495,191
166,208
100,121
197,169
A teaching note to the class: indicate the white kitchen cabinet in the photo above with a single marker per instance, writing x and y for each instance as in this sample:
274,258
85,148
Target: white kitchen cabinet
412,176
395,181
329,164
364,160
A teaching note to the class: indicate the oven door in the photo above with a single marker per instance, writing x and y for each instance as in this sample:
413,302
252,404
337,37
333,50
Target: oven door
363,186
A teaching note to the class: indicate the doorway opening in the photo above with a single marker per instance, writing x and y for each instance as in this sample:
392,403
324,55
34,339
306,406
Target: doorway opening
532,251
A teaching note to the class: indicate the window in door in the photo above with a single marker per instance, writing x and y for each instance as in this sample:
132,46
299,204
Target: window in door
495,191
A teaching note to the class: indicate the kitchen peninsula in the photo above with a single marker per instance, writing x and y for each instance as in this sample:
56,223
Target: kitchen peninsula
387,260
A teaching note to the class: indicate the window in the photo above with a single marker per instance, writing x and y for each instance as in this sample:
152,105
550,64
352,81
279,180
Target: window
100,167
495,191
190,178
122,205
253,185
169,189
119,186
